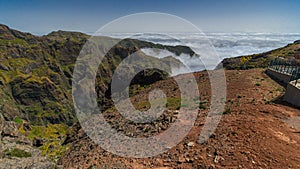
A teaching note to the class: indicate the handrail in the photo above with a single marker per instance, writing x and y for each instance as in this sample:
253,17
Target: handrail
286,67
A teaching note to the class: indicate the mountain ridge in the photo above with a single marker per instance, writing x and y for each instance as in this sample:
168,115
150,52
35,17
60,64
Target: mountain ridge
36,101
49,60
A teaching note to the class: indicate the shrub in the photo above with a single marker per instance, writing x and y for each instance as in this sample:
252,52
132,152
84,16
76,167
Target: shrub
17,153
227,111
203,107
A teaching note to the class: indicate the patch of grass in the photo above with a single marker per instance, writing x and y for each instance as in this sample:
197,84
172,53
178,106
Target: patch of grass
13,42
17,153
147,129
143,105
172,104
18,120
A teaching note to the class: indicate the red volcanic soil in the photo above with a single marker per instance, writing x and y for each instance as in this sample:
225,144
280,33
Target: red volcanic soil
257,130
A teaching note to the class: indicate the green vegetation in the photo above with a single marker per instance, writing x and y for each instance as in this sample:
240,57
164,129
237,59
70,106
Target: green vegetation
18,120
52,136
245,59
17,153
15,41
279,89
262,60
172,104
202,105
227,111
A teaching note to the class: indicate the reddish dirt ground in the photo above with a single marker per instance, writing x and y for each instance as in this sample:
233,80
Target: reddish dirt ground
258,130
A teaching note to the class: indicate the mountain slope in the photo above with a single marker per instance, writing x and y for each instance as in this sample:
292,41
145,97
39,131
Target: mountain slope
36,81
36,72
254,131
262,60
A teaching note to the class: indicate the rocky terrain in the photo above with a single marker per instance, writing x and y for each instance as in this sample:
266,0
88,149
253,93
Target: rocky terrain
254,132
39,128
17,151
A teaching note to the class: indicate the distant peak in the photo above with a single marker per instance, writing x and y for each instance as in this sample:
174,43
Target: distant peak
61,33
4,27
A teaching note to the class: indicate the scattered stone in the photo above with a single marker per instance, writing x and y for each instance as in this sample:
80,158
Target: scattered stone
218,158
10,129
176,112
181,159
26,126
189,160
191,144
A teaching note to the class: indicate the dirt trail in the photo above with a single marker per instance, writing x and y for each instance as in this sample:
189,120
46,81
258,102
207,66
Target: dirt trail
255,132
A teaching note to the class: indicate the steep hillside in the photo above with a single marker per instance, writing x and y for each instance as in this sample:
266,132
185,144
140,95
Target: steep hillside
36,80
36,72
35,75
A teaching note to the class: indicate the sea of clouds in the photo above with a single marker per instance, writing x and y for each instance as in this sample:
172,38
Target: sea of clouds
226,45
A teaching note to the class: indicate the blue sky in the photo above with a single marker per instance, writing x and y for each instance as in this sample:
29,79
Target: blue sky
41,17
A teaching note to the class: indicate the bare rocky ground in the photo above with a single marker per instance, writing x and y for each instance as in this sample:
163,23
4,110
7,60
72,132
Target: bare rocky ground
257,130
17,152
